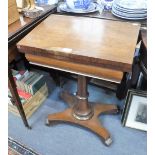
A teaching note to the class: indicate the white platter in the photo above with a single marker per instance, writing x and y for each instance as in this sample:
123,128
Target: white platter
130,18
128,10
132,4
128,15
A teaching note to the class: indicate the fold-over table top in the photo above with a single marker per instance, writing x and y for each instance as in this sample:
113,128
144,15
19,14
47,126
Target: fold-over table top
84,40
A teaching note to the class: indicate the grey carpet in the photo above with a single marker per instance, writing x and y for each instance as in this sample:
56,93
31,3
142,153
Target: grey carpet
65,139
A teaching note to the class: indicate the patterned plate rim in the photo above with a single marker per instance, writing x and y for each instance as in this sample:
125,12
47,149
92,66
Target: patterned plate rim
78,11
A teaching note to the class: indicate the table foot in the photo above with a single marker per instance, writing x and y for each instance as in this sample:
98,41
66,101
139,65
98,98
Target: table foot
108,142
93,124
48,123
29,127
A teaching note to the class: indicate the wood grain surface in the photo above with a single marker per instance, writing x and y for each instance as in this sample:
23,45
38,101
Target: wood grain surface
98,42
12,28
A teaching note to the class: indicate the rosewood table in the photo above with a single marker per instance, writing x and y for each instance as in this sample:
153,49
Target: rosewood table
88,47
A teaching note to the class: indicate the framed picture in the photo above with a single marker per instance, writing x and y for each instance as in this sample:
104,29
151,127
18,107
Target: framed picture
135,110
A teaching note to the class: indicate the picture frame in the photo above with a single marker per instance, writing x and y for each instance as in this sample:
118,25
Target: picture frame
135,110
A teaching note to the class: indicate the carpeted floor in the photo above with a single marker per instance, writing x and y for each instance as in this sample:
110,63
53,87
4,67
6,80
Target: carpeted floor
65,139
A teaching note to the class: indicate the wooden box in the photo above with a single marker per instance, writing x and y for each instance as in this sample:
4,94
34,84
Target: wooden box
13,14
32,104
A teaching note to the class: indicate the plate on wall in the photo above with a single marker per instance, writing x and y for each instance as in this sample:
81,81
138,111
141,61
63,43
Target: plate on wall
91,8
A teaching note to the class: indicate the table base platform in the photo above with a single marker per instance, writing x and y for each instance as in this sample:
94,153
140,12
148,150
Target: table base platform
84,113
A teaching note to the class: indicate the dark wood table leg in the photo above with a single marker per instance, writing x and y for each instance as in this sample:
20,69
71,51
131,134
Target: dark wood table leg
83,113
16,98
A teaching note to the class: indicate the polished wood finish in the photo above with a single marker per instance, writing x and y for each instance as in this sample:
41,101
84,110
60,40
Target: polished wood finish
64,41
12,28
16,98
93,124
139,65
103,43
12,53
83,113
16,32
77,68
82,110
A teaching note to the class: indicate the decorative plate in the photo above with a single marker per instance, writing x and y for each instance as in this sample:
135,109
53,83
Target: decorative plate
91,8
132,4
130,18
130,15
128,10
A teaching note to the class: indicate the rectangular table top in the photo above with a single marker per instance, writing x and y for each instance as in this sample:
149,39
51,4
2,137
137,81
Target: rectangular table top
91,41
